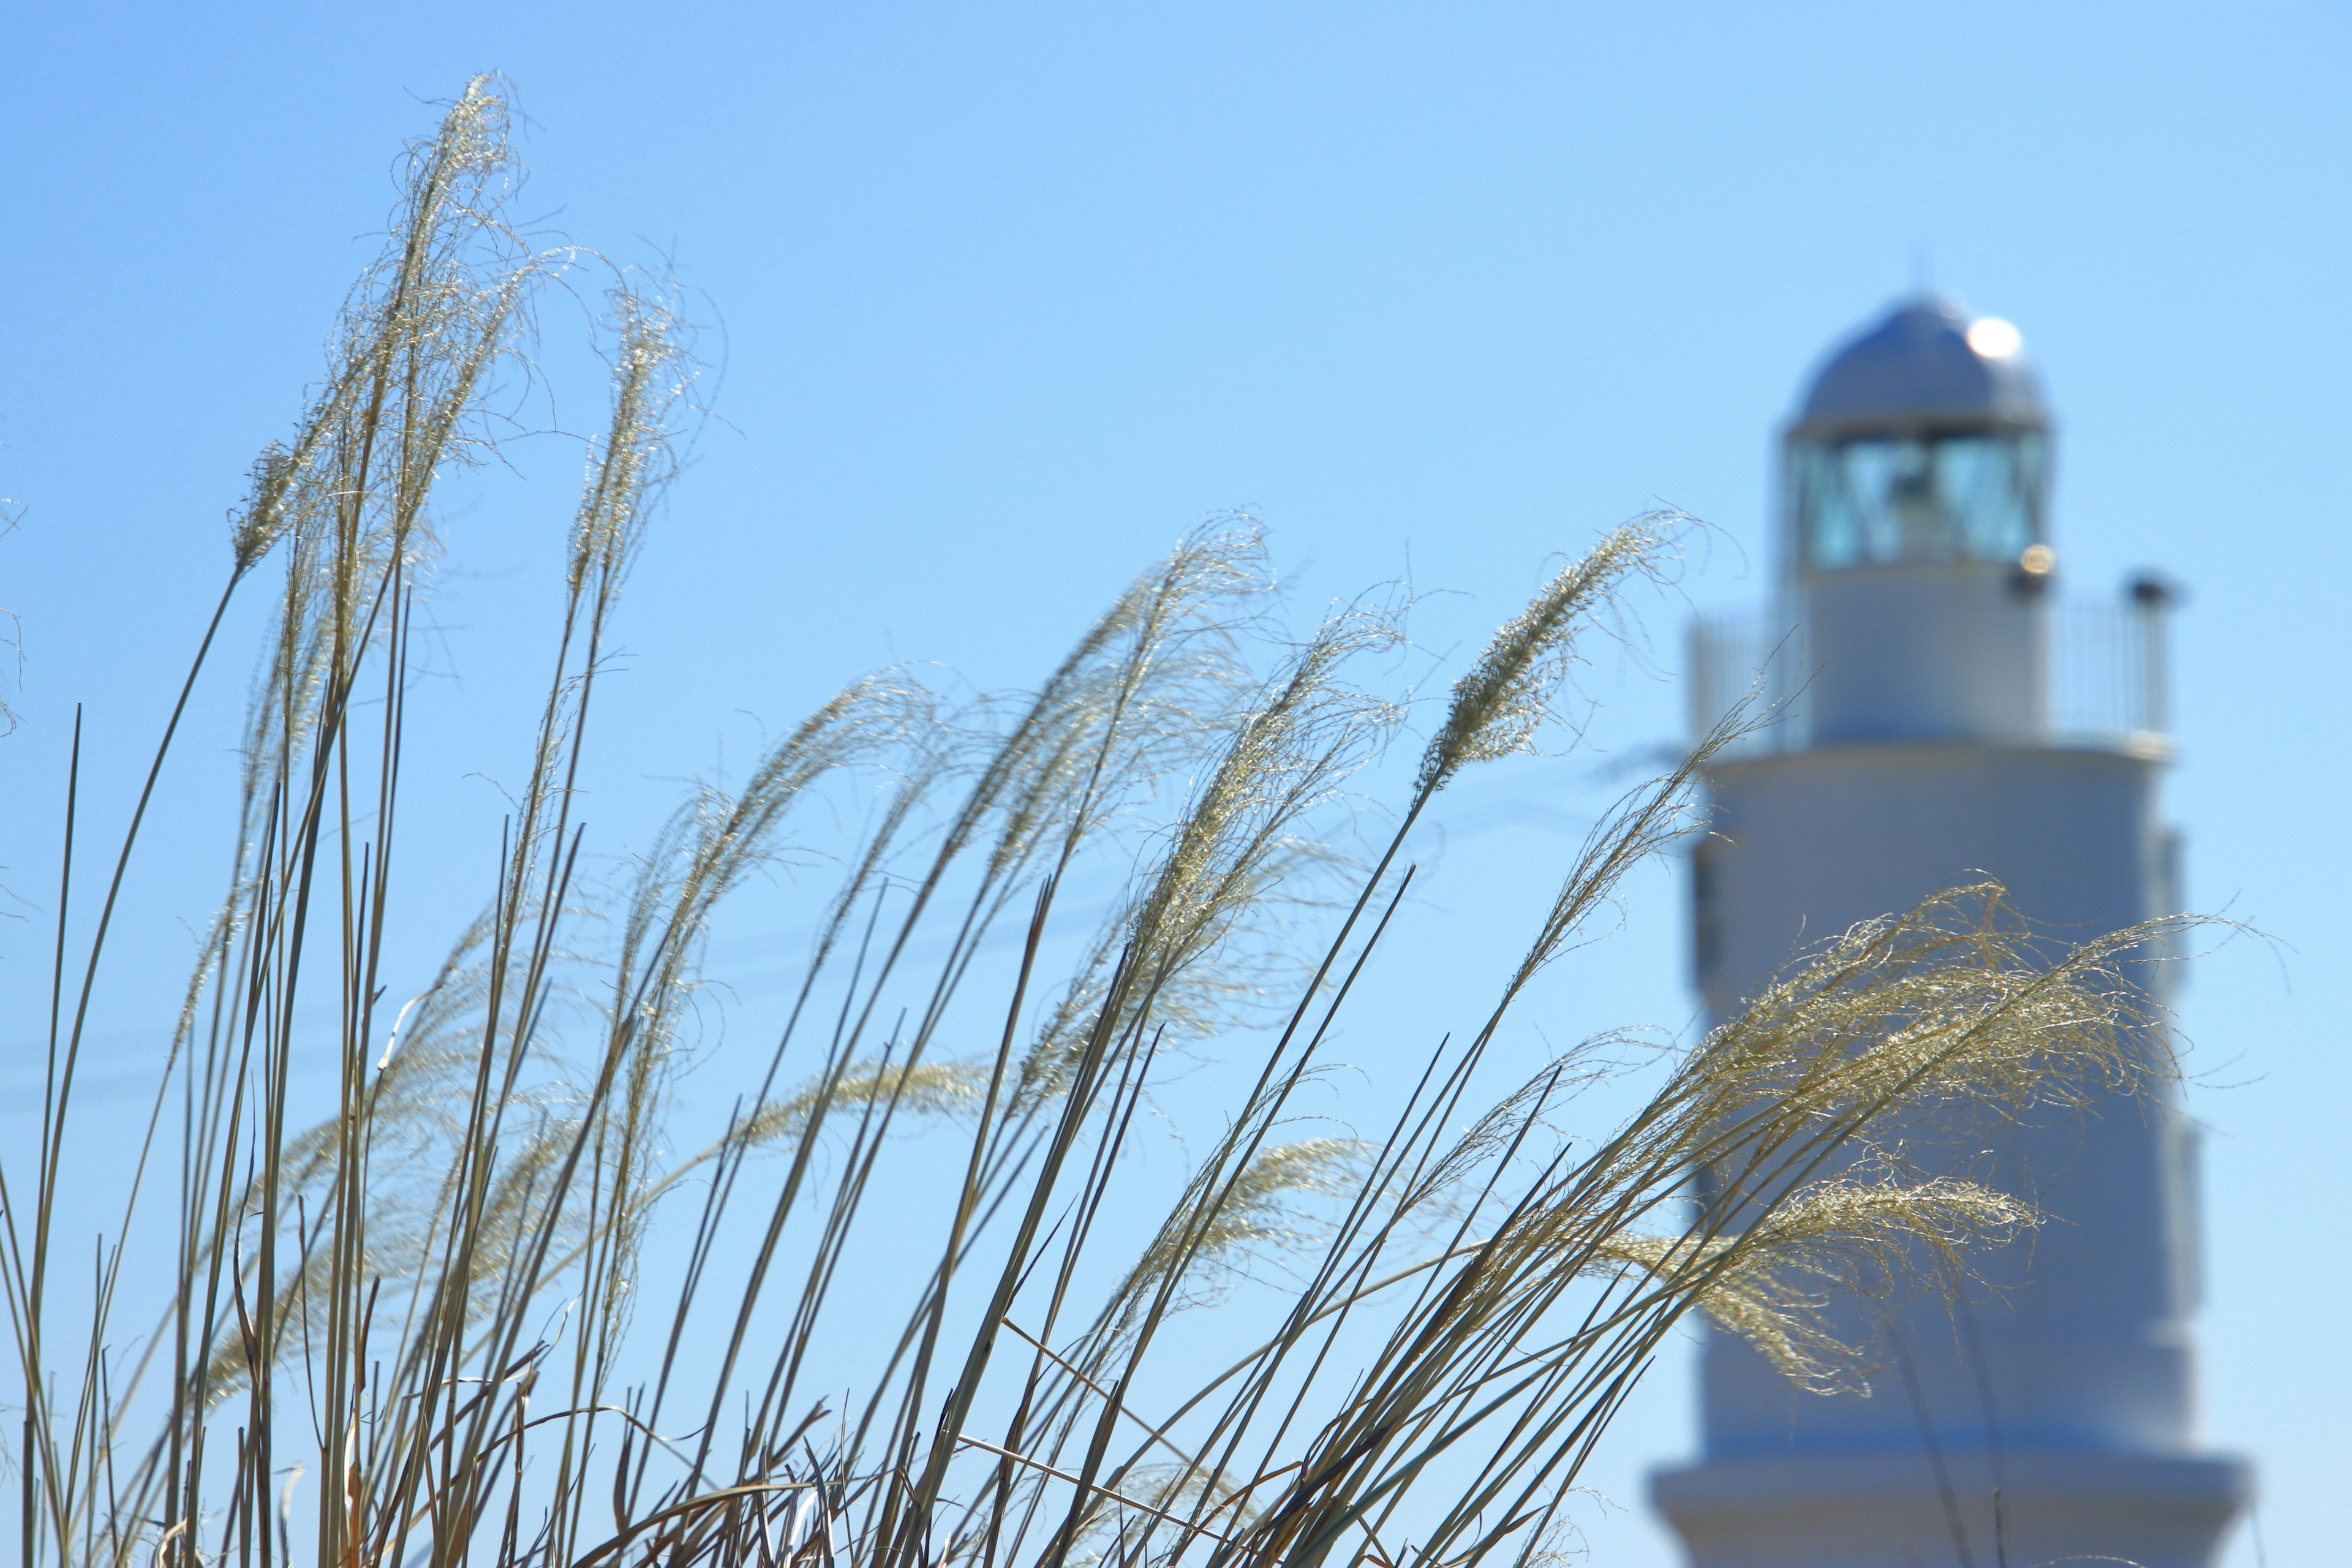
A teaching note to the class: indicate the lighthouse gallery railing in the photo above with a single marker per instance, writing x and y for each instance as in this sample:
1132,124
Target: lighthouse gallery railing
2109,680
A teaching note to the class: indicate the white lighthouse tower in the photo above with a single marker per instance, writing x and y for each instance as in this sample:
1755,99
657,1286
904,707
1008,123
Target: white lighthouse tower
1950,718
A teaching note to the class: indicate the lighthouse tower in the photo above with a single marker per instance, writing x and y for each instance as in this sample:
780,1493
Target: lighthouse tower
1947,718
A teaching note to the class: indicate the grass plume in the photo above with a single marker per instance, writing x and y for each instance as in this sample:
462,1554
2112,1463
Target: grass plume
495,1294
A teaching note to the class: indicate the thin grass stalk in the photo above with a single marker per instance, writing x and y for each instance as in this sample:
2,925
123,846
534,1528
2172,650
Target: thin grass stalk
390,1272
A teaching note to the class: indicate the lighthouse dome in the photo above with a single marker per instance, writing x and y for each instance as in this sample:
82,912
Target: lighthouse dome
1926,361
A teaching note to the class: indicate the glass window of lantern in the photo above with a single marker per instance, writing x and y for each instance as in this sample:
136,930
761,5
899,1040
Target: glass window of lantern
1877,500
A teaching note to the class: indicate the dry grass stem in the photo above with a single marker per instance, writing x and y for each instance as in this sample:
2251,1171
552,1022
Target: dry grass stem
429,1252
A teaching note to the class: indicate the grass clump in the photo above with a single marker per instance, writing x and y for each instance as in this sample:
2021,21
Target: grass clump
430,1293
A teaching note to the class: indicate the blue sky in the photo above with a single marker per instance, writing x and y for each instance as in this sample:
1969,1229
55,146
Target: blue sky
1000,298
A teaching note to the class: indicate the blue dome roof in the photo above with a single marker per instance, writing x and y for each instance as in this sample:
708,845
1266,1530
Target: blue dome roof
1926,360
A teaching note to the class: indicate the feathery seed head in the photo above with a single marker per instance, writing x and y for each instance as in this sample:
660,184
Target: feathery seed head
1503,701
1836,1239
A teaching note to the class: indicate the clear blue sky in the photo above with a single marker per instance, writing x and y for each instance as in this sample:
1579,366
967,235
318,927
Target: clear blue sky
1006,295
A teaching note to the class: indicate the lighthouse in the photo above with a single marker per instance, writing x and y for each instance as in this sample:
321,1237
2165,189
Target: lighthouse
1948,714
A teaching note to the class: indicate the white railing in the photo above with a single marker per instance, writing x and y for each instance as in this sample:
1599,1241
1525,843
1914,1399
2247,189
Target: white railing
2108,677
1753,661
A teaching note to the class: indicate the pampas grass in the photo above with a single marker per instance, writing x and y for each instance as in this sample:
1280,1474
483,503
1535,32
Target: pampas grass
416,1324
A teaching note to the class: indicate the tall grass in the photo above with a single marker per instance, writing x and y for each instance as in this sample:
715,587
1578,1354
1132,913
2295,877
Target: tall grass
414,1323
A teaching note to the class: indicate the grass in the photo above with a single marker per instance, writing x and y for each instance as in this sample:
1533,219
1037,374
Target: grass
429,1295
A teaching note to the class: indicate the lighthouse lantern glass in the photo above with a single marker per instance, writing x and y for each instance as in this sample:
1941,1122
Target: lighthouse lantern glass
1880,500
